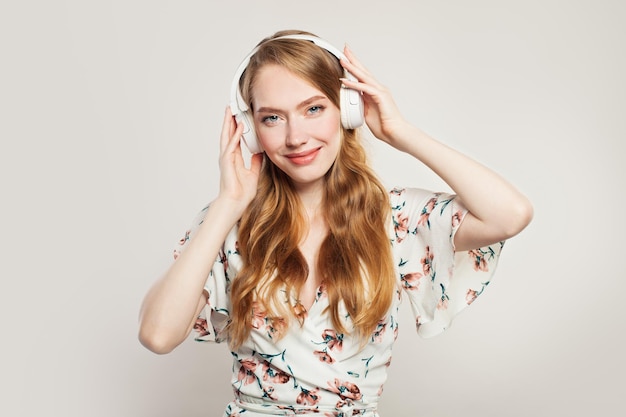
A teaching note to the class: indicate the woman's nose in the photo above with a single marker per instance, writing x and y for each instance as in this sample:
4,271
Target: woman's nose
295,135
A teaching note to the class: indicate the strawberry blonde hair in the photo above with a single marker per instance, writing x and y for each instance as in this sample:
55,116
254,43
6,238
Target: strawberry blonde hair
355,259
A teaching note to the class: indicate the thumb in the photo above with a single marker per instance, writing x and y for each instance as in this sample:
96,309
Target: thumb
255,163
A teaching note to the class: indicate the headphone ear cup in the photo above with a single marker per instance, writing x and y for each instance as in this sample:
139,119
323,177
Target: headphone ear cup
352,108
249,133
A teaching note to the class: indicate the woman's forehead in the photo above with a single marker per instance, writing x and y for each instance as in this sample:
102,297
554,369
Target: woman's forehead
276,86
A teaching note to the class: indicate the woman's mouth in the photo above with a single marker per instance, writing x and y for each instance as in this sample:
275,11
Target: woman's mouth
303,158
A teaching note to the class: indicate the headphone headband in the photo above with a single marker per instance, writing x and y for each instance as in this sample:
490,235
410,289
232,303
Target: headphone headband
351,106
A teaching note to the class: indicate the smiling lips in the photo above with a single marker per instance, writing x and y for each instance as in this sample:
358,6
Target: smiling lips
303,158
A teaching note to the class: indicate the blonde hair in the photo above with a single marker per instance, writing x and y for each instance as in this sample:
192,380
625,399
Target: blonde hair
354,259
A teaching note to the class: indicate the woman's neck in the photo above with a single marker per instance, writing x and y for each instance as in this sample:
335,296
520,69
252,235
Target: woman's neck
311,198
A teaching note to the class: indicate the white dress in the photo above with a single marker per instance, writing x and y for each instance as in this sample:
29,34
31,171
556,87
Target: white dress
314,368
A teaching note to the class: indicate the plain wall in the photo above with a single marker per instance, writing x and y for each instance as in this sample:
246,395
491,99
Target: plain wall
110,116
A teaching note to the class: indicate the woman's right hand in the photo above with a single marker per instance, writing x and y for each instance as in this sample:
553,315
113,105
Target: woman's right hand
238,184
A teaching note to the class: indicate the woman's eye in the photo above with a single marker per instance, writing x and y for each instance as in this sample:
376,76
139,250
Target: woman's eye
315,109
270,119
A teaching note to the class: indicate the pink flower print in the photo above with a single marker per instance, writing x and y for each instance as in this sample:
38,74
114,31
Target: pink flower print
378,334
246,371
307,397
276,327
184,238
345,409
299,311
274,375
230,412
410,281
401,226
427,262
470,296
345,389
425,215
332,339
323,356
397,191
201,327
258,315
224,260
456,218
176,254
268,392
480,263
443,301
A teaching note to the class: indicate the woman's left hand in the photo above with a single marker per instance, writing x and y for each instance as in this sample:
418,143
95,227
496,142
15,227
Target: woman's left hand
381,113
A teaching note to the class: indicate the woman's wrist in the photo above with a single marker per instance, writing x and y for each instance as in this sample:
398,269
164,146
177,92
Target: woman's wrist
229,208
409,139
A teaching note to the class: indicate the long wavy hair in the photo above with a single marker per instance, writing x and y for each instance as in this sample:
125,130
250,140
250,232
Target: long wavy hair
354,260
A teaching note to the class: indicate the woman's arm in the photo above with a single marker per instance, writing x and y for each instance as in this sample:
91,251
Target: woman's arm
171,306
497,210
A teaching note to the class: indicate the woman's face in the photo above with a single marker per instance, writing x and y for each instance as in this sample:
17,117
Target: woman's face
297,125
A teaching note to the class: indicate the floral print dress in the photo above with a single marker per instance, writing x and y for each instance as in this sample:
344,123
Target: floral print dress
314,368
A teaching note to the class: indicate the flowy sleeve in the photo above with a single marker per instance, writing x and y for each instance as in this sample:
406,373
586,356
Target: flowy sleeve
212,320
438,281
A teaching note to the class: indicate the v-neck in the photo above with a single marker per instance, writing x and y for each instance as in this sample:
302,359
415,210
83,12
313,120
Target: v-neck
313,310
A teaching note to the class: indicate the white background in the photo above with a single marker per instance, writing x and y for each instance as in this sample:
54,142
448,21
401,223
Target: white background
110,113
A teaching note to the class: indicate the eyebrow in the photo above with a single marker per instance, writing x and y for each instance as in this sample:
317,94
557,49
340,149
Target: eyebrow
305,103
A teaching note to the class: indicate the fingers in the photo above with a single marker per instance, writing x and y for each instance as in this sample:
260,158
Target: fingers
353,61
226,128
231,132
372,91
357,69
256,161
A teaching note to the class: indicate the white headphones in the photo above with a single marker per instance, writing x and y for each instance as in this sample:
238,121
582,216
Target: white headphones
351,101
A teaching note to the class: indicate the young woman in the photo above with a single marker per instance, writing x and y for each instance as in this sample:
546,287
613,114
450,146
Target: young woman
302,259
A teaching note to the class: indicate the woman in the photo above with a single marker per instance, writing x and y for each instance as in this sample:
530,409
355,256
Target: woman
307,255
